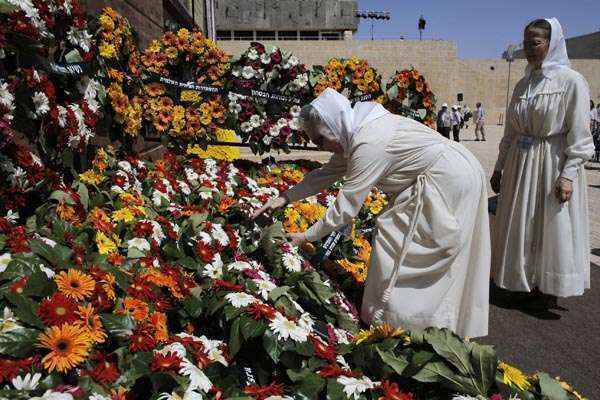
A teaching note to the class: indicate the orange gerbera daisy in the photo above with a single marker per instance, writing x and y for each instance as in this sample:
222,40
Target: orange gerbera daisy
69,346
75,284
136,308
90,323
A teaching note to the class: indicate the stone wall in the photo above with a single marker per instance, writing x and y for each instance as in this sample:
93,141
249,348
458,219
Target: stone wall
478,80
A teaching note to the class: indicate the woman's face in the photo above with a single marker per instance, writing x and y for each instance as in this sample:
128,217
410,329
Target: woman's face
320,134
535,46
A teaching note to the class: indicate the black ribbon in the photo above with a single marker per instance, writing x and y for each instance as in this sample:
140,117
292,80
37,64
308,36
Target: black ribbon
364,97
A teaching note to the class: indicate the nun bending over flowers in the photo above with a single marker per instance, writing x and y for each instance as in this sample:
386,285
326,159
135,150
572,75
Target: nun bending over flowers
430,263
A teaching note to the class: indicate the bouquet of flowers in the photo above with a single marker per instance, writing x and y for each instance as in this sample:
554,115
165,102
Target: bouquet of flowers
268,120
410,95
184,72
353,77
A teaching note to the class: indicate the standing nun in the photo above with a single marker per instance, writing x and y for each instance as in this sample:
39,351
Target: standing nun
430,262
541,235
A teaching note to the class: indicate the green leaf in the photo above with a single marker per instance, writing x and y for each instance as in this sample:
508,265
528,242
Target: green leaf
59,196
117,324
25,309
18,343
311,385
134,252
57,255
73,56
435,371
485,362
235,337
6,7
251,328
398,364
335,391
551,389
272,345
450,347
31,224
84,196
38,285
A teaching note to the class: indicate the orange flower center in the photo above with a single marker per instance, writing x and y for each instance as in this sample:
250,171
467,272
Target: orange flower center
60,311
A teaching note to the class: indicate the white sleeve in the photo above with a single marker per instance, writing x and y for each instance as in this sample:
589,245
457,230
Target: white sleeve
507,139
368,163
580,144
318,179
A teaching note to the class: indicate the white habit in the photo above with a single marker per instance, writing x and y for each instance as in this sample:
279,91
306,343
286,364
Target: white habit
435,231
537,241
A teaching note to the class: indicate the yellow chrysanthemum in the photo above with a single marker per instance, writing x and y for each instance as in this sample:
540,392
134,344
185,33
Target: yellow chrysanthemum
125,214
106,23
105,244
91,177
69,346
513,377
107,51
75,284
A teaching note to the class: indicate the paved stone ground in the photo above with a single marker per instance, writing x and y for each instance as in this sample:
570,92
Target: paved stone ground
563,342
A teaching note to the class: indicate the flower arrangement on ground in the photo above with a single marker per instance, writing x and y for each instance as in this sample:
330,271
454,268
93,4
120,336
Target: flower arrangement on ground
267,123
410,95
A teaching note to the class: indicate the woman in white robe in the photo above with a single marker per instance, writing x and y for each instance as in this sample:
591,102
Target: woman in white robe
541,234
430,261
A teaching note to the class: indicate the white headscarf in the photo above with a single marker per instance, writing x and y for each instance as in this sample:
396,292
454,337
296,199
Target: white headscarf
343,120
557,56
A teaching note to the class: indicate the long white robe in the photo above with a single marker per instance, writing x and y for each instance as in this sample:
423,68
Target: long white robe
443,279
537,241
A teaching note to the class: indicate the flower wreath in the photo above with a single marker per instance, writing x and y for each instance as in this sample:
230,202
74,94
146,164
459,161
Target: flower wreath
410,95
119,61
267,123
187,115
353,77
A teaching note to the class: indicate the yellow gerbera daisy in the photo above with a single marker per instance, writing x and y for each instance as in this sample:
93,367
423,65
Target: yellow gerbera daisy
75,284
105,244
69,346
513,377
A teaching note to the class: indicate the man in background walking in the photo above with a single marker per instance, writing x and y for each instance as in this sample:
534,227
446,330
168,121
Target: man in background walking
479,119
444,121
456,122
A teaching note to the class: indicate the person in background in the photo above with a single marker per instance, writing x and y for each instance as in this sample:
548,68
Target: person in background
444,121
541,244
479,119
462,116
456,121
467,115
595,127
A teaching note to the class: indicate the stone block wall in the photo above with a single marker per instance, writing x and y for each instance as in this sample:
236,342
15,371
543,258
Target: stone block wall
478,79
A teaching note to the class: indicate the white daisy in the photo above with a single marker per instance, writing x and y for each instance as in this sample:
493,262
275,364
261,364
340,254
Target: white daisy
354,387
248,72
288,329
4,260
139,243
239,266
27,383
264,287
80,37
219,235
252,54
292,262
52,395
240,299
41,103
213,350
198,380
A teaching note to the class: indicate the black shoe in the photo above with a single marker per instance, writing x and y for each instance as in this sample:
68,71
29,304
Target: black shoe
477,140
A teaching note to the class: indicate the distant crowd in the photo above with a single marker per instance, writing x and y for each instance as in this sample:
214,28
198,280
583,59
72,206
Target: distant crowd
455,119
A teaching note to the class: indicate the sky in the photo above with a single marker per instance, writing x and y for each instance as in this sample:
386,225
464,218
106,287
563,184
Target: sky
482,28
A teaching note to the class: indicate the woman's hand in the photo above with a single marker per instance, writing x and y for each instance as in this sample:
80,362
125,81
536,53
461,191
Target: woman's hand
496,181
296,239
564,190
270,206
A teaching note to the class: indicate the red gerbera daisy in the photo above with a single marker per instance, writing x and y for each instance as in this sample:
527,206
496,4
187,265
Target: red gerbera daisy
204,251
392,392
262,392
142,339
261,311
105,370
57,310
19,286
165,362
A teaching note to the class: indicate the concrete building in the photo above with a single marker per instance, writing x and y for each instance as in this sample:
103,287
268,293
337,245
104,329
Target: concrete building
151,17
285,19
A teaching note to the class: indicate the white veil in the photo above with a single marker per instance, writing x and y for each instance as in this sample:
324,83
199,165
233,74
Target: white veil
557,56
343,120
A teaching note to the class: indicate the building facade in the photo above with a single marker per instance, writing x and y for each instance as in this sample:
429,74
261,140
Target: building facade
285,19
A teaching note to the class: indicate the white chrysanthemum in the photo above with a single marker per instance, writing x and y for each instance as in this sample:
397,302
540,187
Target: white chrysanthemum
239,266
295,111
266,140
214,270
255,121
6,97
41,103
235,108
463,397
248,72
8,322
80,37
157,232
291,262
198,380
264,287
265,58
342,336
4,260
252,54
213,350
52,395
175,348
96,396
184,187
27,383
125,166
205,237
139,243
301,81
192,177
354,387
288,329
240,299
294,123
12,216
246,127
219,235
